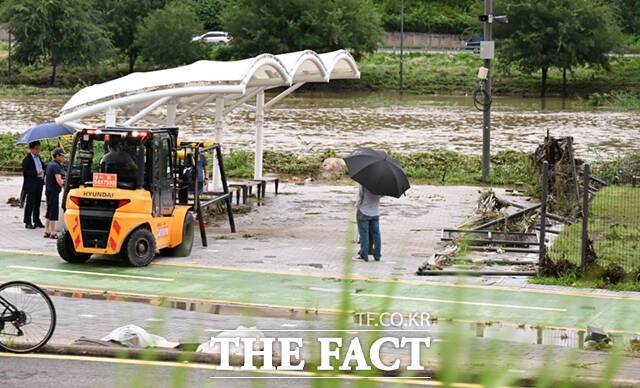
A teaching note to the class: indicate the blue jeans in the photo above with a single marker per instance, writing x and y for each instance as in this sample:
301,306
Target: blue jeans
369,227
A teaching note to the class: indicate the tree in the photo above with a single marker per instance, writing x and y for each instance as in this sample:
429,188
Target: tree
164,37
55,31
629,13
122,18
279,26
210,12
557,33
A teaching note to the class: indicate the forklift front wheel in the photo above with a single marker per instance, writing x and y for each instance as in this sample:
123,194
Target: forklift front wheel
184,249
139,248
68,252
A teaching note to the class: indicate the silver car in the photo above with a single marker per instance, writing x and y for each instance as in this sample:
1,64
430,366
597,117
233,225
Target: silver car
216,37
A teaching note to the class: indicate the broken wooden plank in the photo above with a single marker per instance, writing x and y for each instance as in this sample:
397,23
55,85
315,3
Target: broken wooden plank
475,273
508,218
505,249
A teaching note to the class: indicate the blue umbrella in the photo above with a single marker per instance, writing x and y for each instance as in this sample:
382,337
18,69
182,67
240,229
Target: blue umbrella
45,131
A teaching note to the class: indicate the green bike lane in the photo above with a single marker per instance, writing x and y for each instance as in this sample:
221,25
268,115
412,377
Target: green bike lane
325,293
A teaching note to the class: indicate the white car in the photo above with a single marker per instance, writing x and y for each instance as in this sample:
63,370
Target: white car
217,37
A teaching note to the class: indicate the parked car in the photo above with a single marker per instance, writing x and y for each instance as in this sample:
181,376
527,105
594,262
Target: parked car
216,37
473,44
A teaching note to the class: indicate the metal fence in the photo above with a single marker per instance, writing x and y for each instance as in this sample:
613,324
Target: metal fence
604,228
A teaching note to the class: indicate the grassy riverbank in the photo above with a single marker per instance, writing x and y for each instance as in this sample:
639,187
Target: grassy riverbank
456,168
507,167
453,73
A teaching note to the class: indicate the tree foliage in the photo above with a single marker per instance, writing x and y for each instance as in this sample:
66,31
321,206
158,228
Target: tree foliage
55,31
556,33
628,12
434,16
164,37
122,18
278,26
210,12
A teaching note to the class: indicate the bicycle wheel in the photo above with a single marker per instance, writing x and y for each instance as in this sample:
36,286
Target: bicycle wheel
27,317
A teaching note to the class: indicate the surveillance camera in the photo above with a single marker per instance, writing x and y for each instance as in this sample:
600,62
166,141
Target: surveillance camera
501,19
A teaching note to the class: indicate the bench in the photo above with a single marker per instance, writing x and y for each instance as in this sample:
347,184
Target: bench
247,188
265,179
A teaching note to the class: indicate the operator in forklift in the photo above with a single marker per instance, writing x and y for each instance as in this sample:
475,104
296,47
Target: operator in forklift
118,160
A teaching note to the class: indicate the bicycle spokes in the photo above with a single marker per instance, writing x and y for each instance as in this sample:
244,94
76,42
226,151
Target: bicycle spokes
28,317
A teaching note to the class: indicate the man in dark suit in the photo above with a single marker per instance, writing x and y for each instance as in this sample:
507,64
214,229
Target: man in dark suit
33,172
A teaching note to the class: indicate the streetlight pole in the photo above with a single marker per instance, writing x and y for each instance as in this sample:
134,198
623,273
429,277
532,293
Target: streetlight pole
401,42
486,117
9,58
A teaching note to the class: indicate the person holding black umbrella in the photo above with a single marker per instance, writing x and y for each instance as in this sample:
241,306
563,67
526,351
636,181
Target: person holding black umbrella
33,173
378,174
368,218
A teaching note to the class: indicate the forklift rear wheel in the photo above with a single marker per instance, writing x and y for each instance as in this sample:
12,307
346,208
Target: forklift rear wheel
184,249
139,248
68,252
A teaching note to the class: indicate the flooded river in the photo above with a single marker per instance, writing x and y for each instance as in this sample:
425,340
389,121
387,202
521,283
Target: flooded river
310,122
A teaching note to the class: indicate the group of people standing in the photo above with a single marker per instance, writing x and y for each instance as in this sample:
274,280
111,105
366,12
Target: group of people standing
37,176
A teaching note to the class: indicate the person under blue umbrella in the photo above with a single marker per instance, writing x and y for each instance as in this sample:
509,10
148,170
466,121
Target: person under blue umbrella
33,173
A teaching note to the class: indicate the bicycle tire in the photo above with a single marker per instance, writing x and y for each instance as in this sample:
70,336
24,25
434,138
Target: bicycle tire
21,303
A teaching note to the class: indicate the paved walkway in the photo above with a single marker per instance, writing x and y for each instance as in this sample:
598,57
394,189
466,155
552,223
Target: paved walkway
290,251
327,293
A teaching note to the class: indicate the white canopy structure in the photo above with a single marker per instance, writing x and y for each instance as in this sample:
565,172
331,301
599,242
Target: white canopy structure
185,90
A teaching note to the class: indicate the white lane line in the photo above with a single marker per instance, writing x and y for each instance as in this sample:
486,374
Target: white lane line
511,306
91,273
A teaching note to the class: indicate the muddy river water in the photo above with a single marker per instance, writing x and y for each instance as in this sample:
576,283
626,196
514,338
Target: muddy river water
310,122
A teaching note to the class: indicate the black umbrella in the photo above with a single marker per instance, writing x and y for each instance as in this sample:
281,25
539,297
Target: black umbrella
377,172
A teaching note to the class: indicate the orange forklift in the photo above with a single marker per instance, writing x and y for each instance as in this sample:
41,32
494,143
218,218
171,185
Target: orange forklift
132,191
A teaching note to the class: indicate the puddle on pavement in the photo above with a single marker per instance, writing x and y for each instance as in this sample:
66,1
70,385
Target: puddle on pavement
526,334
314,265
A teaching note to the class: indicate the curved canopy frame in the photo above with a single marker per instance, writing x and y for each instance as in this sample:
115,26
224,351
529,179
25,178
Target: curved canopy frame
182,91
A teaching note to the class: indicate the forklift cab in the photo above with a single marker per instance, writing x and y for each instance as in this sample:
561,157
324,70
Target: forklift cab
140,159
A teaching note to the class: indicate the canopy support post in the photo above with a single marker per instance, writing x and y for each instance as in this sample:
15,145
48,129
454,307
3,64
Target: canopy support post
282,95
257,173
110,117
195,108
147,110
171,114
241,101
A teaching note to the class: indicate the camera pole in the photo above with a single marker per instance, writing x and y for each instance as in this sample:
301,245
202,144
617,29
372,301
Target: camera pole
486,116
401,42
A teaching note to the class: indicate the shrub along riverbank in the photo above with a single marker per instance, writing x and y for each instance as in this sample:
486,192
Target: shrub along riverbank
453,73
507,167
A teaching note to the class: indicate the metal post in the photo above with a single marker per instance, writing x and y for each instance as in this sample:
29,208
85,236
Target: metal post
196,197
257,173
486,117
574,172
225,188
543,212
585,217
110,117
9,59
401,42
217,184
171,113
